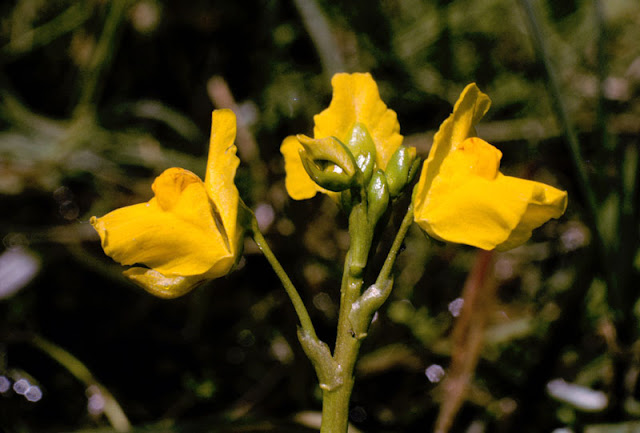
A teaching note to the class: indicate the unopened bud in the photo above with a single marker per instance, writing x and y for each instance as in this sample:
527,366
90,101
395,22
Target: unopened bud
328,162
363,149
377,196
399,169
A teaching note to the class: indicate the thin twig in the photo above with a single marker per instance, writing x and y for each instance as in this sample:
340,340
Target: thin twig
385,272
468,338
296,300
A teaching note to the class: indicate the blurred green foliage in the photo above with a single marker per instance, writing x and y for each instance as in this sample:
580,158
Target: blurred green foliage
98,97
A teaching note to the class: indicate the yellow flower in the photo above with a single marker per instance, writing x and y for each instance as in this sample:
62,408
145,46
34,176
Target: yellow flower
356,100
188,232
462,197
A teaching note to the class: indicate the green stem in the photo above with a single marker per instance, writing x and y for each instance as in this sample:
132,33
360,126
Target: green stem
335,401
298,305
385,272
356,310
316,350
335,407
372,299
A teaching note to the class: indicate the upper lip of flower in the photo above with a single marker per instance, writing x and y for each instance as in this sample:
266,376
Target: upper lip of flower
355,101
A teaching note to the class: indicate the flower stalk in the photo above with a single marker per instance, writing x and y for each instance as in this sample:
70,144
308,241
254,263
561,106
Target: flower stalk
303,315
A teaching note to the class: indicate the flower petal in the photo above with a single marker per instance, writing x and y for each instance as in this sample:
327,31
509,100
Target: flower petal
162,286
491,214
467,112
471,203
169,185
297,181
544,202
330,150
221,171
356,99
174,233
473,156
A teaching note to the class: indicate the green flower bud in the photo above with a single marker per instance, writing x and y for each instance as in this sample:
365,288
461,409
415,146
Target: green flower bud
328,162
363,149
399,169
377,196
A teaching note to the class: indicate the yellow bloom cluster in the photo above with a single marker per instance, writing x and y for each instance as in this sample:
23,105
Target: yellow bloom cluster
188,232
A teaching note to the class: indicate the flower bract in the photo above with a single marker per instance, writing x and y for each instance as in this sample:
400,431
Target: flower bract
188,232
355,115
461,195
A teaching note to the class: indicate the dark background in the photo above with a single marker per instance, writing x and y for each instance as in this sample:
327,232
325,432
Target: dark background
99,97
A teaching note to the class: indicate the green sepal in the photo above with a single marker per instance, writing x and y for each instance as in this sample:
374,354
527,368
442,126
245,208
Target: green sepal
377,196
